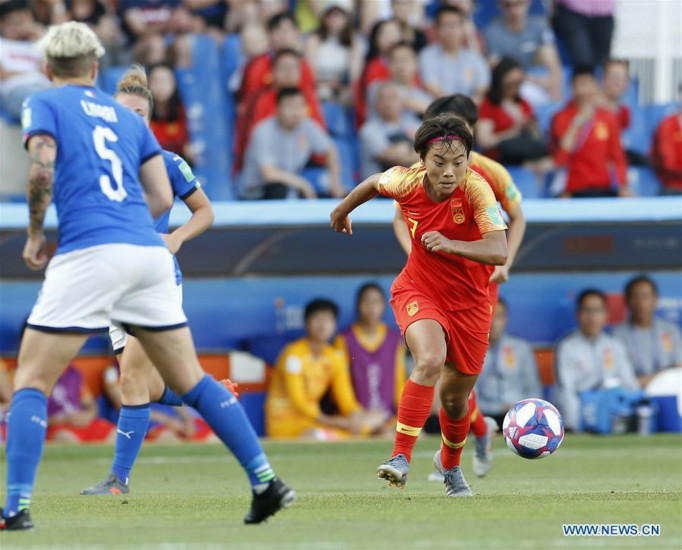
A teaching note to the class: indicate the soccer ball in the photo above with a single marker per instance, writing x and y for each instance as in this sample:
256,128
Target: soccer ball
533,428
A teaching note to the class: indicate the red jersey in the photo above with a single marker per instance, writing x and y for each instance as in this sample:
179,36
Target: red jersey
471,211
171,134
597,160
258,75
667,151
502,119
376,69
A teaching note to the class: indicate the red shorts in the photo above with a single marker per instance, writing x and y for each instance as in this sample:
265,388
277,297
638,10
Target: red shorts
466,330
98,430
494,293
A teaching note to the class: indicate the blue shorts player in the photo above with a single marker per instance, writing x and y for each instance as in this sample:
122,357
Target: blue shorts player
94,157
133,421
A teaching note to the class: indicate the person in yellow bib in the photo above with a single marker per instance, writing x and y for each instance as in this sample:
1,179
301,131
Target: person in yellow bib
306,370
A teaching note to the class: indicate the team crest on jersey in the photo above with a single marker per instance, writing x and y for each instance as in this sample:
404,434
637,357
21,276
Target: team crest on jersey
412,308
457,211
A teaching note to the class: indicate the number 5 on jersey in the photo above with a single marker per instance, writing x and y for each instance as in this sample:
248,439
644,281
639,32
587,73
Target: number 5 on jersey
100,135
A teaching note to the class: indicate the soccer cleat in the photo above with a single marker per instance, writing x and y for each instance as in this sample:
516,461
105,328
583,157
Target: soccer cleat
19,522
395,471
455,484
483,455
276,497
112,485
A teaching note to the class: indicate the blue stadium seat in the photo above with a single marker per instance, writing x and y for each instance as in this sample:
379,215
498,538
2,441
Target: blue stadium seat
337,119
348,157
637,136
206,104
110,78
655,113
231,55
544,114
643,181
526,181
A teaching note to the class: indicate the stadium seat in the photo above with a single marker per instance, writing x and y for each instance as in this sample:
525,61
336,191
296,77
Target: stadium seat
526,181
643,181
205,102
637,136
110,78
486,11
655,113
544,114
231,55
348,157
337,120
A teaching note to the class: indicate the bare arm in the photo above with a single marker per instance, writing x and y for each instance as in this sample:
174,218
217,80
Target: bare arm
365,191
334,168
135,22
273,174
201,220
517,228
402,232
157,187
491,249
487,137
42,151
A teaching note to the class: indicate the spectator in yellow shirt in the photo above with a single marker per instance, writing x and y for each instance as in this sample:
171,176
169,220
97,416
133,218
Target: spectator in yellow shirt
306,370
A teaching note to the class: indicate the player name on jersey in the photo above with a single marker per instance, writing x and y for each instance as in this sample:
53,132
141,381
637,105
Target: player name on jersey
99,111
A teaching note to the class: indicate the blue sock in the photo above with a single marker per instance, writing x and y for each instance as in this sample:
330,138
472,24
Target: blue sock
221,410
170,398
132,427
26,427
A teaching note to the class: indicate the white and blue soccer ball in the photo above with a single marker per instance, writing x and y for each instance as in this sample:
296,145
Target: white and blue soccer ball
533,428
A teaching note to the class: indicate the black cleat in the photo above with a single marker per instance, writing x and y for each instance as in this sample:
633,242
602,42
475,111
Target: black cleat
271,501
19,522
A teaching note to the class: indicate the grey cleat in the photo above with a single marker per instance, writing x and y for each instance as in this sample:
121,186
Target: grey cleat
455,484
483,455
395,471
112,485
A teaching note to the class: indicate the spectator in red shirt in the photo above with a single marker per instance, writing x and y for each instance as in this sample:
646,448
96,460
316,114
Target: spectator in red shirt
169,122
507,130
385,34
586,142
258,74
667,153
287,68
615,83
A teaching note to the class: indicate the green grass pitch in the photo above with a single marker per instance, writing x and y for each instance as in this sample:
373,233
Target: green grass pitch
194,496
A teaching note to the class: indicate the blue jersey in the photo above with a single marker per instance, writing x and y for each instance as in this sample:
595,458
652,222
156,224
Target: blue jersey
184,183
100,148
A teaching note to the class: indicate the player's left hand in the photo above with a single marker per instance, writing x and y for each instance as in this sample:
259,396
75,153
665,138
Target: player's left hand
340,222
500,274
172,243
35,252
435,242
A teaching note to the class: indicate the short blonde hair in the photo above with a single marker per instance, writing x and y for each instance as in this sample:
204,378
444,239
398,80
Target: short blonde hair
70,48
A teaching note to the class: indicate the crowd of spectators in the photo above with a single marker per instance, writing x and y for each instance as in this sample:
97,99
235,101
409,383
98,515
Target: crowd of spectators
383,61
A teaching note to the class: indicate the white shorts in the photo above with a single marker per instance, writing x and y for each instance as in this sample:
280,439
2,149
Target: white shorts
89,289
118,334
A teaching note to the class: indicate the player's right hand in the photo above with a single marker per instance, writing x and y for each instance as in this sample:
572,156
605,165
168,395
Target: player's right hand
35,252
340,222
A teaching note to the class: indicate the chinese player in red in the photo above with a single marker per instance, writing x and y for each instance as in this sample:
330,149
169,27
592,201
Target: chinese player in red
509,197
440,299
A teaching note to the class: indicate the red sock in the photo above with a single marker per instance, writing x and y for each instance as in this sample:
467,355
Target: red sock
413,410
454,435
478,427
